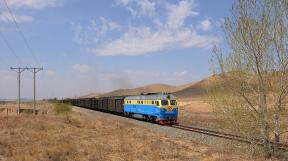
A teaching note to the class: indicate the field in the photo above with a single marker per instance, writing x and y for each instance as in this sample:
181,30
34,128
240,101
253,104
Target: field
196,111
75,136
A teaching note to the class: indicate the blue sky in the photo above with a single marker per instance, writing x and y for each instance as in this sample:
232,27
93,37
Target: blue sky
98,46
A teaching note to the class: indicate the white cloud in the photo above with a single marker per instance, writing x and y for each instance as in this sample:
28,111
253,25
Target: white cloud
178,13
80,36
219,22
135,42
139,8
124,2
6,17
94,31
82,68
172,31
48,73
7,75
189,38
181,74
205,25
34,4
104,27
147,7
142,41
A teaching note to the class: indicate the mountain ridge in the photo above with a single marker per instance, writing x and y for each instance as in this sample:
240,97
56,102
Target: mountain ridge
185,91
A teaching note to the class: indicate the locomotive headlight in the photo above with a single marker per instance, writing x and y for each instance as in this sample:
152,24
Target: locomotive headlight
169,108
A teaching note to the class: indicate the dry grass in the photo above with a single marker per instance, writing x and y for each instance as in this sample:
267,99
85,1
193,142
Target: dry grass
75,137
196,111
43,107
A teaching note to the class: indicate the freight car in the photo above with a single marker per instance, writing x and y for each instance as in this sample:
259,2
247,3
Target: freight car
157,107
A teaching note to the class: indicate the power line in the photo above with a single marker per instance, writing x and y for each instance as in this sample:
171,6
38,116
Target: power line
10,48
21,33
1,59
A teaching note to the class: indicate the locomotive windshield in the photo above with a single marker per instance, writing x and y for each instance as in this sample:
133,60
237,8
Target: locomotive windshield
173,102
164,102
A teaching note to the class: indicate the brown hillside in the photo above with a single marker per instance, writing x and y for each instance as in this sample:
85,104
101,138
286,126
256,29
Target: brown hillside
186,91
195,90
90,95
145,89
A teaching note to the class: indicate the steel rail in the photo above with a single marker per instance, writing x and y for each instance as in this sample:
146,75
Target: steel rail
283,147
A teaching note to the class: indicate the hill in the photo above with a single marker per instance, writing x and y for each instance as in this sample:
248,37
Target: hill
153,88
90,95
183,92
195,90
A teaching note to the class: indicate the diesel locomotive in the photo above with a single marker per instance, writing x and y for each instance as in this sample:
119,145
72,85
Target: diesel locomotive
154,107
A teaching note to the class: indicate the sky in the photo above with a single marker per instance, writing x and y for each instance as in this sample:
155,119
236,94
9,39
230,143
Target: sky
99,46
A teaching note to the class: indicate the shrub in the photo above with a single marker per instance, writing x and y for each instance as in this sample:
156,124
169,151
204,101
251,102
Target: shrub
62,108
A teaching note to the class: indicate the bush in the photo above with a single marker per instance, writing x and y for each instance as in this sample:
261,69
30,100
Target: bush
62,108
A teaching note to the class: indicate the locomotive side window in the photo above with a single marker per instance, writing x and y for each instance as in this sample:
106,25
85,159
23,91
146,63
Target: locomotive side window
157,103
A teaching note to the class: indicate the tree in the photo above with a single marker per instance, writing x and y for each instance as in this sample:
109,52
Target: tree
252,77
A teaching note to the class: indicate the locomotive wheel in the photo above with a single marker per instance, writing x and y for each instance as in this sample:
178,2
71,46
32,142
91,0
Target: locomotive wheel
152,119
146,117
130,115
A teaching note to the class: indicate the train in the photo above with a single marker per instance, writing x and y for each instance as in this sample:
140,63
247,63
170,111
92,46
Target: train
161,108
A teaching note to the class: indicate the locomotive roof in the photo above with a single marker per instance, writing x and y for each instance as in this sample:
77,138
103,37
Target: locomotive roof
151,97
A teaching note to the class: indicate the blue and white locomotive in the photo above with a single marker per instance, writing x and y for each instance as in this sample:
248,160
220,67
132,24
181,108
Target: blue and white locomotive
160,108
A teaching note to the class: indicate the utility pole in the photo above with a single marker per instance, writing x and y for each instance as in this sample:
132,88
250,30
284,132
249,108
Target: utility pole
35,71
19,71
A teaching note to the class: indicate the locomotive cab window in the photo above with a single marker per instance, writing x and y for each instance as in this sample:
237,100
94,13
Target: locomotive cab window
173,102
164,102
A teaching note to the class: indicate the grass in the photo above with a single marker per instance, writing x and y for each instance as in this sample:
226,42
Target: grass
75,137
62,108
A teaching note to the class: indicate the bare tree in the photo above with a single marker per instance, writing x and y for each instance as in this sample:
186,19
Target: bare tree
252,87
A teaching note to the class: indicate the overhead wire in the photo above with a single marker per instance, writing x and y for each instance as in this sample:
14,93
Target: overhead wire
21,33
3,61
10,48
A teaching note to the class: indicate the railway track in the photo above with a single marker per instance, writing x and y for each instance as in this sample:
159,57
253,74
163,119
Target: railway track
232,137
283,147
